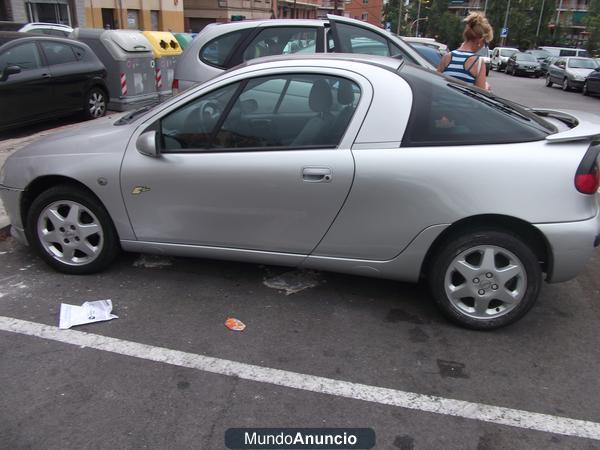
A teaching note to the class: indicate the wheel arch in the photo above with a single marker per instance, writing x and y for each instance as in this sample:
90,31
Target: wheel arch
43,183
528,233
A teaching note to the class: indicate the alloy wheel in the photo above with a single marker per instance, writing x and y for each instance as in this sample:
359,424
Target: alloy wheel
96,104
70,233
485,282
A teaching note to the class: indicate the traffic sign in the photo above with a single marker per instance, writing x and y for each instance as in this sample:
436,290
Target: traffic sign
504,32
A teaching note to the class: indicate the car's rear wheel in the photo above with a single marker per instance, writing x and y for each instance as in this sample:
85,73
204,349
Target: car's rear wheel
485,280
71,230
96,102
548,82
565,85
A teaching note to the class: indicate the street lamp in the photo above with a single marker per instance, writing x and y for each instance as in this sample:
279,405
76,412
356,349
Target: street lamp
417,22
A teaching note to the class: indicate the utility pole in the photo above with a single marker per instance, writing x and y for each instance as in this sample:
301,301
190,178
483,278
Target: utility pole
418,17
537,33
557,19
506,22
399,17
485,7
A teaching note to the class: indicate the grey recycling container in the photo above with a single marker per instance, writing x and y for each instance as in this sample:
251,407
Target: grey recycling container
129,61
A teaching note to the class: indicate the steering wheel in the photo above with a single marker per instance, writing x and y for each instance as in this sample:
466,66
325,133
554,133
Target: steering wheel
209,115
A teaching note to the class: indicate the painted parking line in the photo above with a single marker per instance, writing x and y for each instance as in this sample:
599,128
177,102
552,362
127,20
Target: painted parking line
384,396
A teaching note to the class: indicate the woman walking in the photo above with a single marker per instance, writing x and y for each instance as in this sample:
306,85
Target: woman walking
463,63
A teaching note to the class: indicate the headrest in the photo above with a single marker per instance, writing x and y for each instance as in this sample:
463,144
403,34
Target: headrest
345,95
320,99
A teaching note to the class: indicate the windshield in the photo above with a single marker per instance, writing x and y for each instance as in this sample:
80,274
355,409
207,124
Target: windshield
540,54
526,57
507,52
576,63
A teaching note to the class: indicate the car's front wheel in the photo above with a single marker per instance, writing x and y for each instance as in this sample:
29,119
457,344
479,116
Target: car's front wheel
548,82
96,103
485,280
565,85
71,230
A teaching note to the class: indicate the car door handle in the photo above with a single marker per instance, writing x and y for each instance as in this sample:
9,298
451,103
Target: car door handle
316,174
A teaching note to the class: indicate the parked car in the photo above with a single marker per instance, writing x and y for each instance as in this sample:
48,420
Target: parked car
570,72
540,55
430,54
523,64
565,51
547,63
51,29
500,57
591,85
326,162
222,46
42,77
429,42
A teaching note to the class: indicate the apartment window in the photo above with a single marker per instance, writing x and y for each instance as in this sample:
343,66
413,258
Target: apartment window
133,19
365,16
154,20
365,2
57,12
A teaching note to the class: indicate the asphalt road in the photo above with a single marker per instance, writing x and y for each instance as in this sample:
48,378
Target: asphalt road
347,329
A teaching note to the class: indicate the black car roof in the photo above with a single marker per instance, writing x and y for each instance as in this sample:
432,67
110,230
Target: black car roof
7,36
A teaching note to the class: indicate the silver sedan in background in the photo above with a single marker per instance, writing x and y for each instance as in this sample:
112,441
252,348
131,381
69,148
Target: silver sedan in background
364,165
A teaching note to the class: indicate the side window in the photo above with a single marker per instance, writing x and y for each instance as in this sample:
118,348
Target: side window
360,40
442,116
26,56
293,111
190,127
58,53
79,52
282,40
218,50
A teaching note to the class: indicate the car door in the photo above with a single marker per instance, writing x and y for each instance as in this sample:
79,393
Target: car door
230,176
27,95
269,40
557,70
69,76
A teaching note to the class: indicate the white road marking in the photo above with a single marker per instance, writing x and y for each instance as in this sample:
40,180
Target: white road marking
428,403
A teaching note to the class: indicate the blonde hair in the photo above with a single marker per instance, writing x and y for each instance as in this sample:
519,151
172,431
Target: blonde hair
477,27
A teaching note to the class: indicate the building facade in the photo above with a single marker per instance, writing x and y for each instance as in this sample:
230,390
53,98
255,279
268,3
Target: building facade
154,15
199,13
370,11
66,12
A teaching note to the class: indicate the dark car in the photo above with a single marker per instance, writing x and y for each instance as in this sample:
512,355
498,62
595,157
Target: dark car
591,85
523,64
44,77
431,54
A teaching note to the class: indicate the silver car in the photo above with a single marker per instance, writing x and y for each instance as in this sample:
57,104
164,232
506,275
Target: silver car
570,72
369,166
222,46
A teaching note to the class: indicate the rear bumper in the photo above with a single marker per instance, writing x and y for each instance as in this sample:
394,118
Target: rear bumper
571,246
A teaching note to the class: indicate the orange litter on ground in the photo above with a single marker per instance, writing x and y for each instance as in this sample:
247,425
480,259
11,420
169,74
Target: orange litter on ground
235,324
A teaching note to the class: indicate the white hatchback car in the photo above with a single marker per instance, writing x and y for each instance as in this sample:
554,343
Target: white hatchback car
223,46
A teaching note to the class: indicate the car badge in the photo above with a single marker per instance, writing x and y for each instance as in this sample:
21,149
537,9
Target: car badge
139,189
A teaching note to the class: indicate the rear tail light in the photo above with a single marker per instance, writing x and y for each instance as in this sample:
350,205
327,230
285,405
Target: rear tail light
587,178
175,86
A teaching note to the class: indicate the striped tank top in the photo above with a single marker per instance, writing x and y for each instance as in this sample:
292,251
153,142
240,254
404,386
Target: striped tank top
456,67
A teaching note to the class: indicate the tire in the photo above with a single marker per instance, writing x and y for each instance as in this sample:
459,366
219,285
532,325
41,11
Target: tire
548,82
565,85
71,230
96,102
584,89
490,301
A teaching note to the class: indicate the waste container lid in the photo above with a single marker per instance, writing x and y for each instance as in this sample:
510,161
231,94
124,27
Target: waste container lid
129,40
163,43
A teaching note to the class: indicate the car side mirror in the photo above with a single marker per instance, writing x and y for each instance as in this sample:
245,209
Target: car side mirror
8,71
146,144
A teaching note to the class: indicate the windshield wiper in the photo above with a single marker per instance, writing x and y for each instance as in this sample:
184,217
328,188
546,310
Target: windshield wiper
490,100
132,115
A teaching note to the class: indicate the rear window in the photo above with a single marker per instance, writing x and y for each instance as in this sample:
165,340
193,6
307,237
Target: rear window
526,57
218,50
446,113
